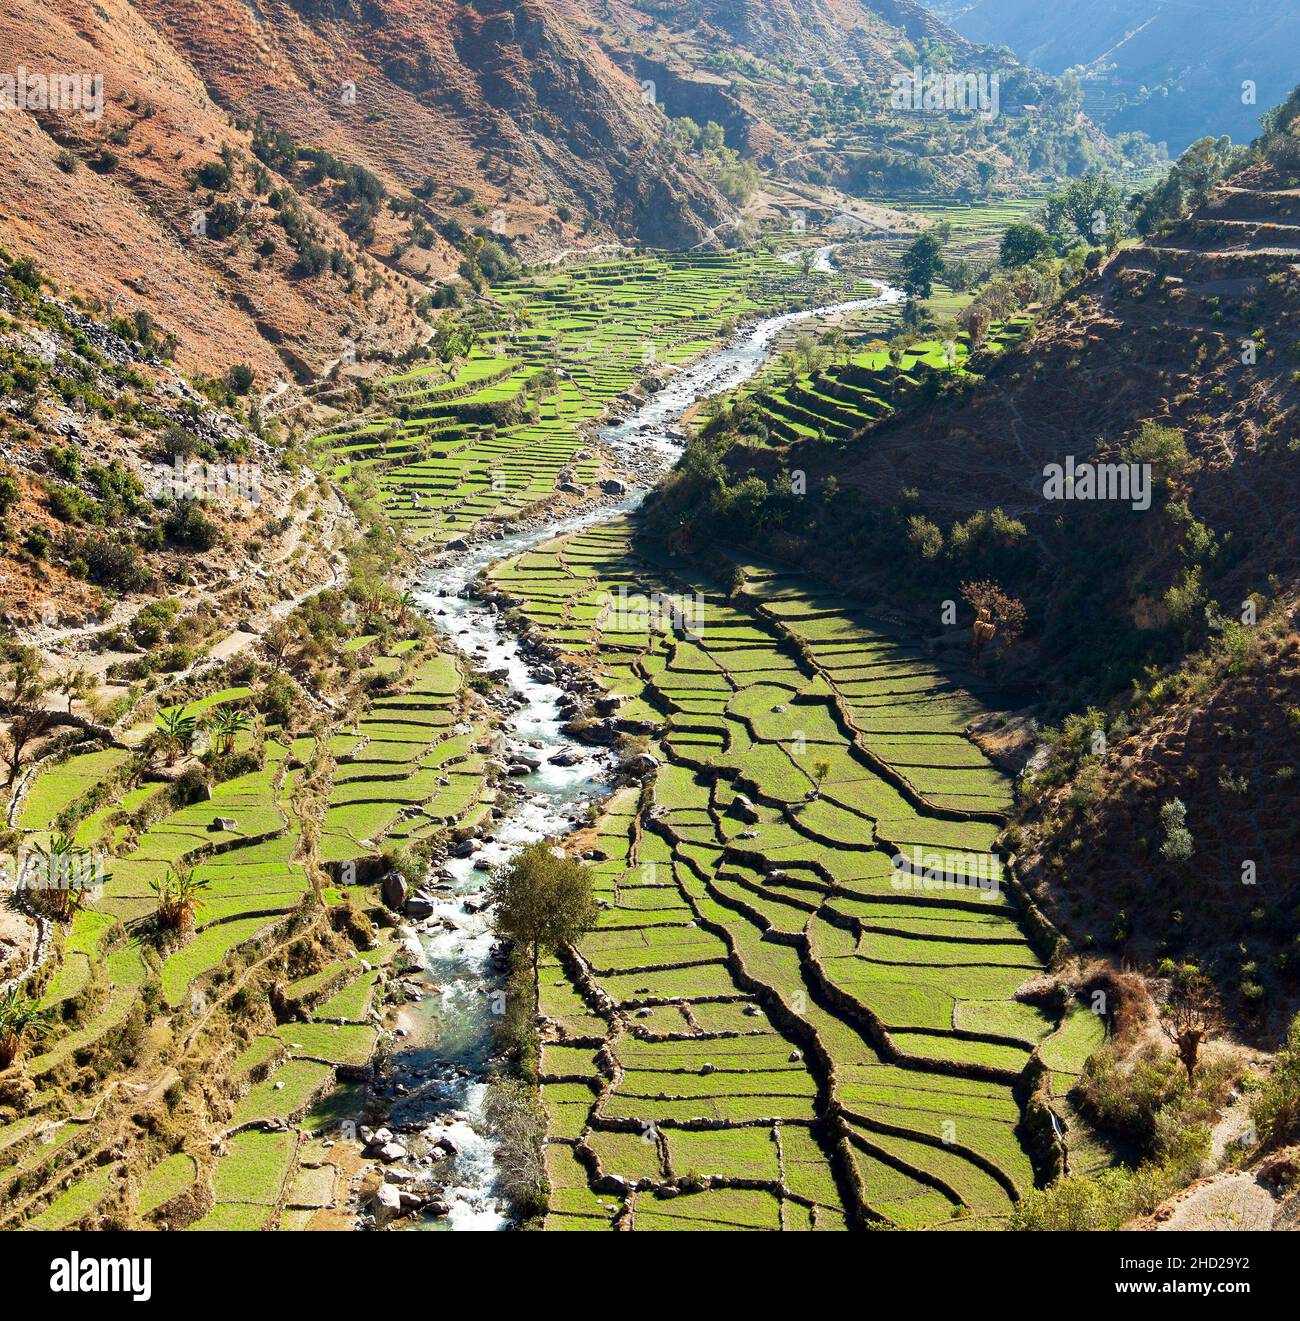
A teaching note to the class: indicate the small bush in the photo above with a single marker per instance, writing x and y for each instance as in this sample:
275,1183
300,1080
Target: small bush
1177,845
1276,1108
113,563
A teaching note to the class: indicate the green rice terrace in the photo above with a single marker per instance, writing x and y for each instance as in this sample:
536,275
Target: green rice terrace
866,385
264,848
773,1025
502,431
777,1022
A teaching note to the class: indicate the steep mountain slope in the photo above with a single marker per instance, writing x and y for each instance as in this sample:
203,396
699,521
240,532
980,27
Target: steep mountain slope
120,483
807,89
117,218
1169,68
1221,738
496,118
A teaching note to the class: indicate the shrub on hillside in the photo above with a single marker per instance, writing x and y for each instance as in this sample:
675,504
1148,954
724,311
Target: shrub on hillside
1275,1111
1111,1199
111,562
187,525
1177,845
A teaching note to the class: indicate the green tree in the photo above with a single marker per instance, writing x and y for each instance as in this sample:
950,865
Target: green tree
74,685
1091,209
1023,243
922,264
541,901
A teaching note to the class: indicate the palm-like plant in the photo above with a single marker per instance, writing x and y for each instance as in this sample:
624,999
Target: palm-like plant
405,604
372,602
20,1016
62,886
226,725
177,730
179,897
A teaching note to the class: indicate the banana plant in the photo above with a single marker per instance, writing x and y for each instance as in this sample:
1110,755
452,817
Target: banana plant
61,873
177,731
179,897
20,1017
226,725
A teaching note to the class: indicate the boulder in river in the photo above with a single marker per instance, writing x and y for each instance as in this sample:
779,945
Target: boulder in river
386,1202
418,907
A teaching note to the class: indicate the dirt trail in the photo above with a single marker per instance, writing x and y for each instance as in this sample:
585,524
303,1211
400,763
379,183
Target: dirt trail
1223,1202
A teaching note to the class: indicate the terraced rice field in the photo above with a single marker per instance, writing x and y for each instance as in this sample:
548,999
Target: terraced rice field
410,765
493,439
975,235
770,1005
864,387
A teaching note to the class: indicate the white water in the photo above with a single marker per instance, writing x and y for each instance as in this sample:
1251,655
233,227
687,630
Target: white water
821,258
458,953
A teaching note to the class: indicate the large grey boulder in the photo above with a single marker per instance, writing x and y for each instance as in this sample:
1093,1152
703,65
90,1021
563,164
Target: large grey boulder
395,890
386,1202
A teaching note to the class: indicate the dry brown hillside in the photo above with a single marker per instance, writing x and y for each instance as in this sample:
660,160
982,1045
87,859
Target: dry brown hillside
1222,738
496,118
805,86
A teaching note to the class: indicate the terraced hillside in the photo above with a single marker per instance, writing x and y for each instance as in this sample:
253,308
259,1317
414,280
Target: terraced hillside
266,848
503,432
252,1025
841,400
1182,342
809,1000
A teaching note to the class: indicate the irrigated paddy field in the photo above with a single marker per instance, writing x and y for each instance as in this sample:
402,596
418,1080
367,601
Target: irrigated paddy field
782,1019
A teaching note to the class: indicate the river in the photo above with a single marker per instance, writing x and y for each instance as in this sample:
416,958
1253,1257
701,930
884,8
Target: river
446,1076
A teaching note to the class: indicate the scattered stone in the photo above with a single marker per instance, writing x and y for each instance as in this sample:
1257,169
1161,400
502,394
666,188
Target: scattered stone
743,807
